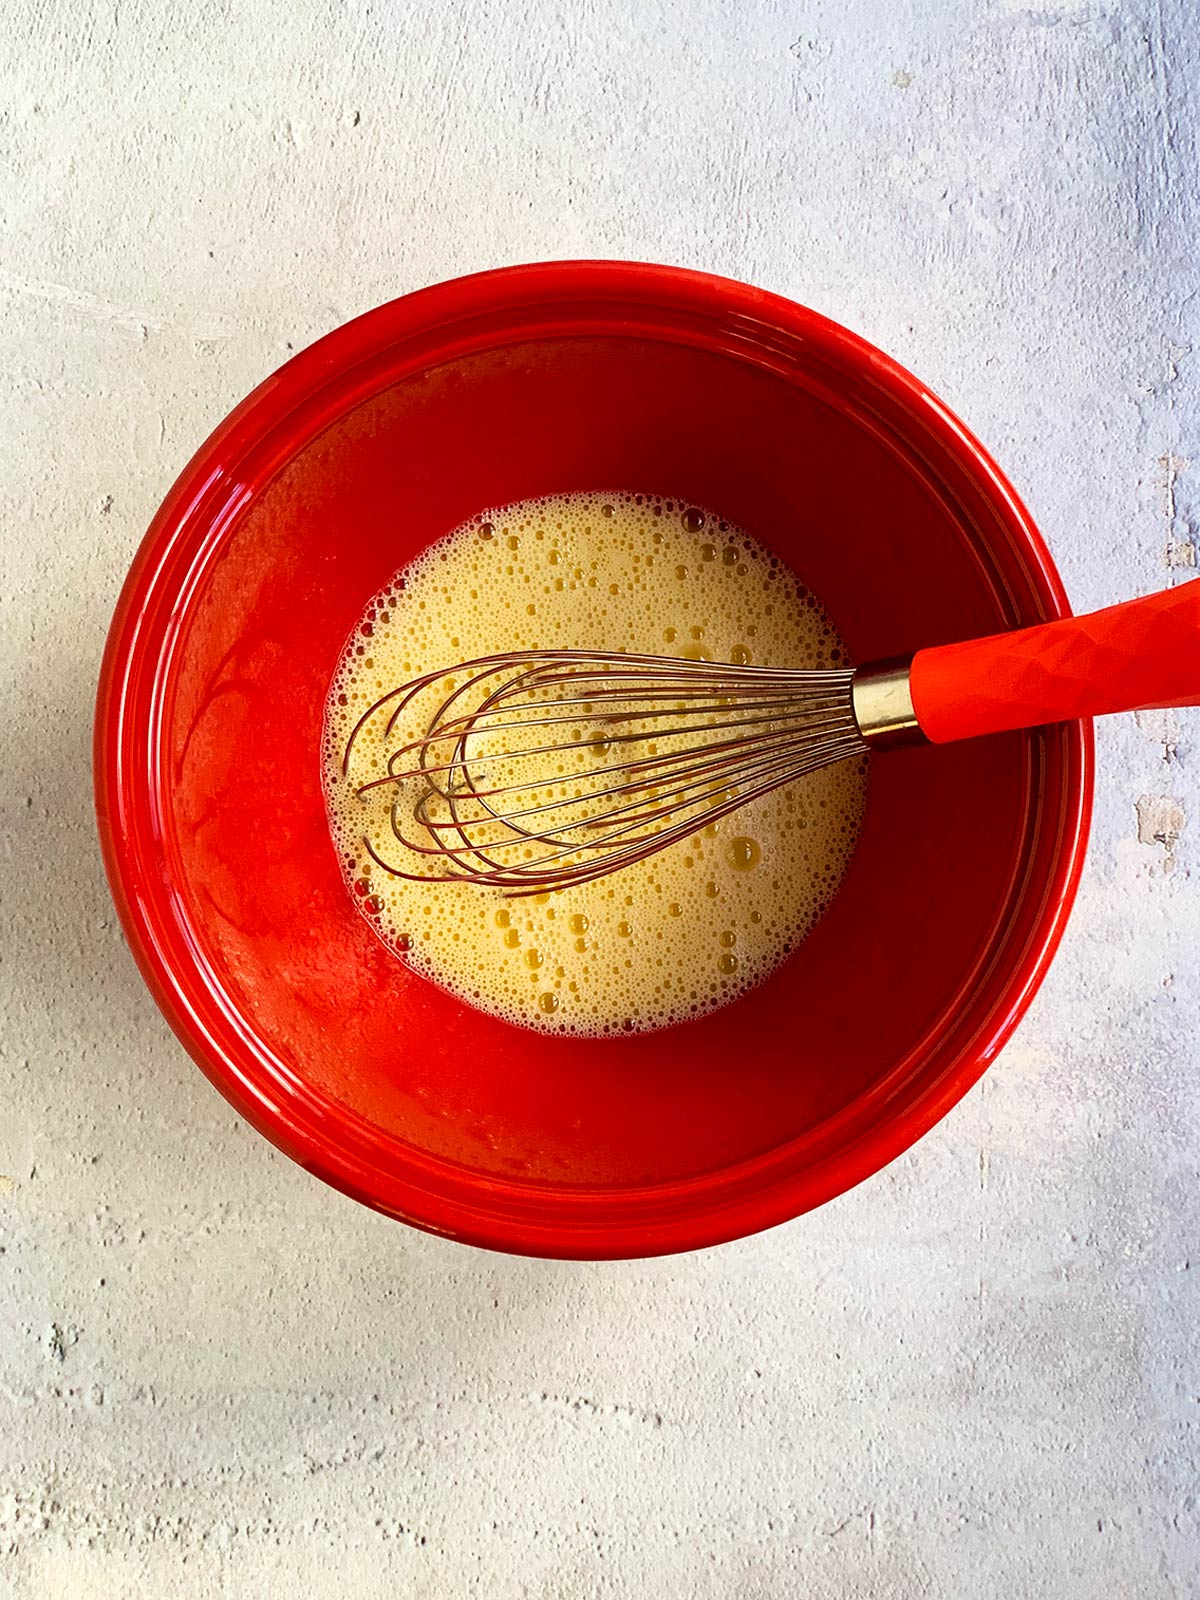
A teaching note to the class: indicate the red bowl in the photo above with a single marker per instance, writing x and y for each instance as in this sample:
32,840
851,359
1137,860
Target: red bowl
340,468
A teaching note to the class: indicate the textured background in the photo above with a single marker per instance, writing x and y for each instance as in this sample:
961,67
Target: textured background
975,1375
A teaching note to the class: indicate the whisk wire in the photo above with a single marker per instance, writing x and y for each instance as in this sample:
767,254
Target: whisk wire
693,742
517,877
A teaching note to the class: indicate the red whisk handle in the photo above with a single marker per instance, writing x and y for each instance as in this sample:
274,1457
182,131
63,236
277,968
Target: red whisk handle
1125,658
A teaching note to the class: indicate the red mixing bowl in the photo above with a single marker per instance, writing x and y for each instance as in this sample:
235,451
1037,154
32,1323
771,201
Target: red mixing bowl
340,468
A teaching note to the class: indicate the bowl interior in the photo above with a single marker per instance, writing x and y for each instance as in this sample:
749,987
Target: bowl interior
869,1019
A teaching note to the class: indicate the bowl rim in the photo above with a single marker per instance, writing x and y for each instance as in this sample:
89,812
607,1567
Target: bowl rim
625,1223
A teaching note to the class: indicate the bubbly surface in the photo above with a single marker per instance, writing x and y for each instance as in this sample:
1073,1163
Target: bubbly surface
660,941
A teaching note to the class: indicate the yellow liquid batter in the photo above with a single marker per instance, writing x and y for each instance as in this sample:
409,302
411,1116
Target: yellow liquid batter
665,939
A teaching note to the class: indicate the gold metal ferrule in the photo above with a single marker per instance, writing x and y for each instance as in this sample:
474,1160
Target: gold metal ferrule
883,705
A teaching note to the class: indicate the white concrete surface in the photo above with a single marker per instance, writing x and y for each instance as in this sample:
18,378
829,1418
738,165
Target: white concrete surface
974,1376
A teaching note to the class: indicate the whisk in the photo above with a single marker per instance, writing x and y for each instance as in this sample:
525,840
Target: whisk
538,769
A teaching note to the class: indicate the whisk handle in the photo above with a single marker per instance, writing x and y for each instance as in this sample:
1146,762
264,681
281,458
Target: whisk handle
1125,658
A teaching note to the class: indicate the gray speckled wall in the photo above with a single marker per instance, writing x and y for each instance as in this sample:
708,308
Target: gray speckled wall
974,1375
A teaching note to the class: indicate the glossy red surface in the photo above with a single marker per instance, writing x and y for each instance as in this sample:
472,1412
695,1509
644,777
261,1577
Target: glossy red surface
1143,653
341,467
